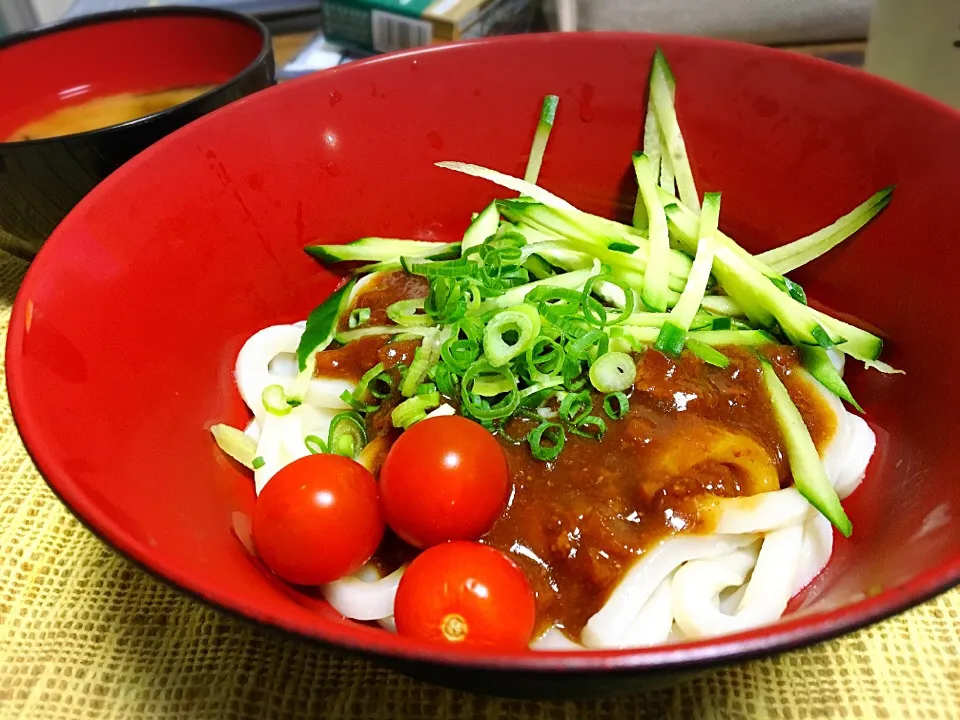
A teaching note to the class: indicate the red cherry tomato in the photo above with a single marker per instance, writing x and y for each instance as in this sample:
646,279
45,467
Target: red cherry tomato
444,479
318,519
465,593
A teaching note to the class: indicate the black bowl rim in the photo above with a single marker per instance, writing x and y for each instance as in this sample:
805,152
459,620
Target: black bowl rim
793,632
115,16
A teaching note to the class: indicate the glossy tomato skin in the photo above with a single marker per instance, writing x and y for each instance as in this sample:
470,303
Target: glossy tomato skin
318,519
446,478
466,593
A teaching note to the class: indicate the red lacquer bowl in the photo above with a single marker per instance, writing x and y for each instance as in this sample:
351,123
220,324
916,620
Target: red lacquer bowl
126,328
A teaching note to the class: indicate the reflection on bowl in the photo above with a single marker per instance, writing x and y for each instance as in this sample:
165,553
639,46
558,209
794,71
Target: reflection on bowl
95,91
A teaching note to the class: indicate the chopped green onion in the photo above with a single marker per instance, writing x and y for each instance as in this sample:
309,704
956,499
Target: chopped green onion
258,462
580,347
382,386
424,358
544,358
235,443
553,434
522,320
445,379
708,354
426,388
351,399
275,400
616,405
477,406
315,445
597,423
358,317
576,406
613,372
491,387
404,312
628,296
414,409
460,353
347,435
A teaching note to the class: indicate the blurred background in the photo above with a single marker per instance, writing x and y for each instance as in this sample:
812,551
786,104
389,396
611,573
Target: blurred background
910,41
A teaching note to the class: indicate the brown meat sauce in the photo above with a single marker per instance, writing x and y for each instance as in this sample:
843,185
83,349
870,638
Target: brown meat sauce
693,432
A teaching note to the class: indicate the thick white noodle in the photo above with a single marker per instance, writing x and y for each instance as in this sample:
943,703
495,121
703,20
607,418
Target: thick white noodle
606,629
281,439
725,591
360,598
554,639
655,619
266,351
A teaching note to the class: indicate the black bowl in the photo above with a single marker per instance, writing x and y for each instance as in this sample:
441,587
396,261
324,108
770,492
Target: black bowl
143,50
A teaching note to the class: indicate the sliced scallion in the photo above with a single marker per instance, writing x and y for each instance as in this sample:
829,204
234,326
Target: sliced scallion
613,372
274,400
404,312
523,321
550,432
358,317
616,405
414,409
315,445
347,435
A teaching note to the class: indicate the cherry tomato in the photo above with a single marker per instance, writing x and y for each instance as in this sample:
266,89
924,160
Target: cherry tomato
318,519
465,593
444,479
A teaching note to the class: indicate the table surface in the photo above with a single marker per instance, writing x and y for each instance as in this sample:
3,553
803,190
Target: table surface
86,634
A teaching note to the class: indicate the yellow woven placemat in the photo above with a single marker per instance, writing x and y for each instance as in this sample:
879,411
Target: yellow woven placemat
86,634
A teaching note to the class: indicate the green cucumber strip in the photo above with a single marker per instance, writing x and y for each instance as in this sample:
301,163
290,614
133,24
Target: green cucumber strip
805,464
709,355
745,338
857,343
685,226
667,179
547,114
549,220
663,103
508,181
799,252
722,305
322,323
374,249
652,149
538,267
623,247
817,362
883,367
696,287
350,335
483,226
657,274
514,296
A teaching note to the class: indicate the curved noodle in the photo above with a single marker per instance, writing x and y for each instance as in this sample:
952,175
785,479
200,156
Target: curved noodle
364,599
719,584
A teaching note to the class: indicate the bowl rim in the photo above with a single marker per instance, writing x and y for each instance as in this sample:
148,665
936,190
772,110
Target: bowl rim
791,632
120,16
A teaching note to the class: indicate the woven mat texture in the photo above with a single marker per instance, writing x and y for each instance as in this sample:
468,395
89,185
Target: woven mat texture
86,634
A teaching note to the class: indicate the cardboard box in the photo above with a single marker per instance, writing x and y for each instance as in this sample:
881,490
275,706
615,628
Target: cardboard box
386,25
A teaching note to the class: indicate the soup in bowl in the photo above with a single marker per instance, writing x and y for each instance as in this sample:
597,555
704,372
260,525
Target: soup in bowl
86,95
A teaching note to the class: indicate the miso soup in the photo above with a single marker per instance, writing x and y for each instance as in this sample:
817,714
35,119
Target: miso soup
104,111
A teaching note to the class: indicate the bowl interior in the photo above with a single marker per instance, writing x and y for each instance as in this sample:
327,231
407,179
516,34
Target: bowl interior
120,53
125,332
